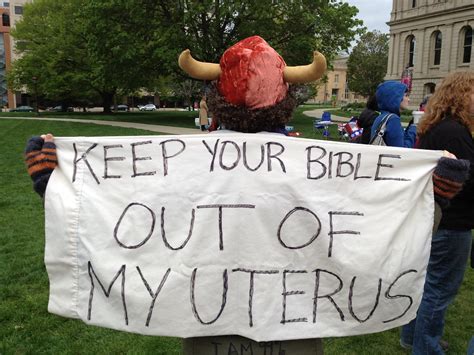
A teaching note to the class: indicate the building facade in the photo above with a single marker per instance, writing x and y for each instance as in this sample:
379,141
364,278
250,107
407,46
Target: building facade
335,89
6,96
428,40
10,11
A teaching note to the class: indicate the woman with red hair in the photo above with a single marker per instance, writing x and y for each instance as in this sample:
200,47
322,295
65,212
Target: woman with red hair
448,124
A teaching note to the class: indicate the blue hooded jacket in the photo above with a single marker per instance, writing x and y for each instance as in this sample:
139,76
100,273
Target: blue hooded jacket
389,97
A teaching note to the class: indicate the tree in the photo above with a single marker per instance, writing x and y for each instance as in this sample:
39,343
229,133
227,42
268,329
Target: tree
79,49
293,28
367,63
188,90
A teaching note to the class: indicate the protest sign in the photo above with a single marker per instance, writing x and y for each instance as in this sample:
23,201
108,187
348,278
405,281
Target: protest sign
259,235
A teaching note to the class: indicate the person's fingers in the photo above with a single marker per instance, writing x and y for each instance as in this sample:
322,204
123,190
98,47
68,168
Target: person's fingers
48,137
447,154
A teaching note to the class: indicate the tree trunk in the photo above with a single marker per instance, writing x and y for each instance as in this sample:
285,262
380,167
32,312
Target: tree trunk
107,99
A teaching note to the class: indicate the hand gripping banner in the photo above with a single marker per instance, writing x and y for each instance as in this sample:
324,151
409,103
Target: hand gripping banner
259,235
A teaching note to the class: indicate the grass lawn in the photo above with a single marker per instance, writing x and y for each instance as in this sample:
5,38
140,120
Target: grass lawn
27,328
165,118
301,122
406,116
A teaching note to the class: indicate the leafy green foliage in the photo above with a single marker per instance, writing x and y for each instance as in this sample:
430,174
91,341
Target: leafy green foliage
79,49
367,63
293,28
82,51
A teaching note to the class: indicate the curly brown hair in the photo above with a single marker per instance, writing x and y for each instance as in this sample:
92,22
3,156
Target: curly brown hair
451,98
242,119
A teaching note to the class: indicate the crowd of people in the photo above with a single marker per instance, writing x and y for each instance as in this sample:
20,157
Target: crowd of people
448,124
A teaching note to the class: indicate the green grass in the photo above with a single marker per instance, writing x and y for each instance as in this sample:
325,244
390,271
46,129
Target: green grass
304,125
27,328
165,118
301,122
406,116
25,325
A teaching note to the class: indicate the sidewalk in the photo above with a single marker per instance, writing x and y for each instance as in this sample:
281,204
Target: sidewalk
338,119
147,127
318,113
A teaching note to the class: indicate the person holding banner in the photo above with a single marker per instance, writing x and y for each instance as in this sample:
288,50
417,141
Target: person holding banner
448,124
252,93
393,96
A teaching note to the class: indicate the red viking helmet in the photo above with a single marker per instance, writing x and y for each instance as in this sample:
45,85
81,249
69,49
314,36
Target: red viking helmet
252,74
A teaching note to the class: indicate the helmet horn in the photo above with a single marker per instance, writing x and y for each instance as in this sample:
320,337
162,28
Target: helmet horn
196,69
306,73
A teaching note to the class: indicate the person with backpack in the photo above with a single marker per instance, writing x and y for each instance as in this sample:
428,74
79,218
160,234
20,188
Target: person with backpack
366,119
393,96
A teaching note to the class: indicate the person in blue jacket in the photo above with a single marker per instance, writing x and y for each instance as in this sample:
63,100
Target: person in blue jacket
392,96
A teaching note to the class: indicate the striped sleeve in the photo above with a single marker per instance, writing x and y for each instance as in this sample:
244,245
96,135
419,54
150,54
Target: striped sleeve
41,159
448,179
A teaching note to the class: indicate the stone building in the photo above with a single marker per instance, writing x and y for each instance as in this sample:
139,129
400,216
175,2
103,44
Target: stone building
6,96
335,89
428,40
11,11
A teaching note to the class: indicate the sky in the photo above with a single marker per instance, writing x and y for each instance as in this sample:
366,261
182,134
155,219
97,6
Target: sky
374,13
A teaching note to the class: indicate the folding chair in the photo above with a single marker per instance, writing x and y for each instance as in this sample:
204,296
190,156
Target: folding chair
322,125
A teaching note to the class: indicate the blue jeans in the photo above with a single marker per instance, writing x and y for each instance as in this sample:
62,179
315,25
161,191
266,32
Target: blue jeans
448,259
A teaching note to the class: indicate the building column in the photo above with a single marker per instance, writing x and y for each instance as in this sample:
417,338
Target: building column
400,5
390,54
396,56
419,47
446,48
394,13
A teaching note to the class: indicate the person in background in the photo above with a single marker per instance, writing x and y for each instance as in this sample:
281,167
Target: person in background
392,96
448,124
366,119
203,112
423,103
214,126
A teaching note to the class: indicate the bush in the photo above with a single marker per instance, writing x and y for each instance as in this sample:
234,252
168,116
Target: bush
353,106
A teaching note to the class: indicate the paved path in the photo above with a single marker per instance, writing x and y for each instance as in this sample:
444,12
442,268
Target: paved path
147,127
163,129
319,112
156,128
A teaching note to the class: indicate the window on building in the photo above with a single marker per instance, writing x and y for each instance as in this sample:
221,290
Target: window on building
467,44
336,78
5,20
429,89
6,4
437,37
413,3
346,92
411,42
18,10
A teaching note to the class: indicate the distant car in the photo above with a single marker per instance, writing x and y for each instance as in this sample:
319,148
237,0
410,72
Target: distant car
120,108
23,109
149,107
62,109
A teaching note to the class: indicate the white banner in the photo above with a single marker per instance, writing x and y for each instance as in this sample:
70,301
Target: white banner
259,235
